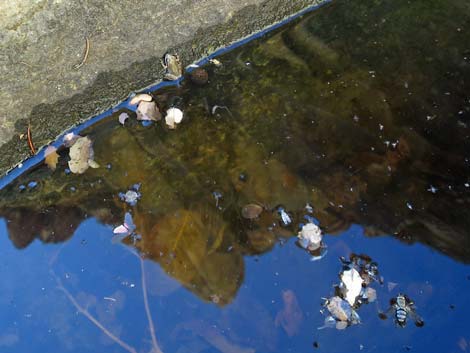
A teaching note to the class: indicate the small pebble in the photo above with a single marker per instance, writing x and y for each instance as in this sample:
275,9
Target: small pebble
251,211
243,177
199,76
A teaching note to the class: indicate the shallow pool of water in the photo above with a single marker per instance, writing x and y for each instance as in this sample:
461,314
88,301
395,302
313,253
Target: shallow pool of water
355,118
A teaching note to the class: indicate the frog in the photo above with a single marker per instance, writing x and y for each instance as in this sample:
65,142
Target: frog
173,67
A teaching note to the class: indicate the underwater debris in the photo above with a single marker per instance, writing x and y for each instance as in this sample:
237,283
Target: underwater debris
81,156
367,268
310,237
123,117
342,314
127,228
353,291
131,196
285,218
199,76
173,117
51,157
70,138
403,308
351,284
148,111
251,211
215,62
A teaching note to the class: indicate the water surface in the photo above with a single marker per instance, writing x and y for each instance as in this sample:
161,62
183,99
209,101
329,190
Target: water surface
360,111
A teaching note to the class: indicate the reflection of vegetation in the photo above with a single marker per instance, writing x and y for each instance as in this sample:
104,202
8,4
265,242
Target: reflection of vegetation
326,115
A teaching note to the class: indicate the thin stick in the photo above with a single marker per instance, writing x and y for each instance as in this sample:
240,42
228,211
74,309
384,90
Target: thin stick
85,56
30,140
85,312
156,348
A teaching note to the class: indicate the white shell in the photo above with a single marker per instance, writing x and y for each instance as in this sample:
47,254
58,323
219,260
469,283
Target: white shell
173,116
352,281
70,138
148,111
123,117
139,98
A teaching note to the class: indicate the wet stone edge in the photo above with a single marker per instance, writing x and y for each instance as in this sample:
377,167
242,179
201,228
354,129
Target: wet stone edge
48,121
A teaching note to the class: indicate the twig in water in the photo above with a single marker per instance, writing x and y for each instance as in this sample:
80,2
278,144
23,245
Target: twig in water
85,56
90,317
156,348
215,107
30,141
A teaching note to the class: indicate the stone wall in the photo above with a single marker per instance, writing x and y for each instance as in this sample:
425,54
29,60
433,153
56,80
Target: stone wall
42,41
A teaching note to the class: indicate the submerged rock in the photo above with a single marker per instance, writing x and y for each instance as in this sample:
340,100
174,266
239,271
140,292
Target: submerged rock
199,76
148,111
251,211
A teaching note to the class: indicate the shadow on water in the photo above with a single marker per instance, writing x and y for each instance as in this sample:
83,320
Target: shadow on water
360,111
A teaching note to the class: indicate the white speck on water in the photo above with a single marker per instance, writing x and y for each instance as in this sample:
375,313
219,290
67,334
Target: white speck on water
123,117
432,189
409,205
309,208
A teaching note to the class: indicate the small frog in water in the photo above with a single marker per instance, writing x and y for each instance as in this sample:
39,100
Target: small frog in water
173,67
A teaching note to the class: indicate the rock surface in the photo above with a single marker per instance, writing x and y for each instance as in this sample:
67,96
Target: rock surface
42,42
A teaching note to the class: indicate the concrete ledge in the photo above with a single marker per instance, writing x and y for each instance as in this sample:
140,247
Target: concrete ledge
42,40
